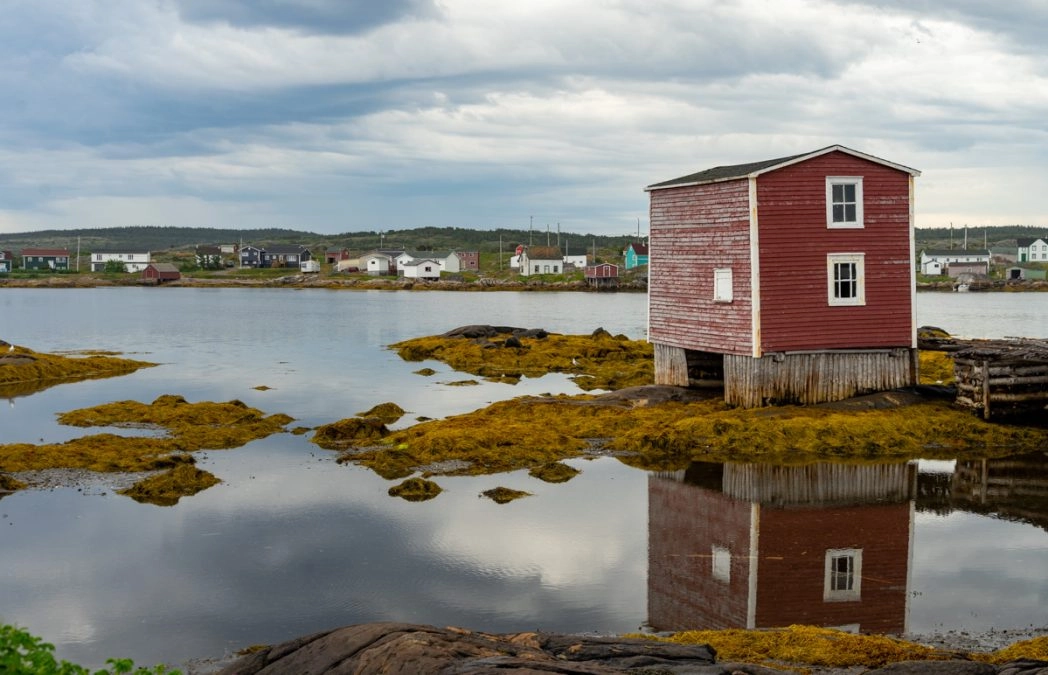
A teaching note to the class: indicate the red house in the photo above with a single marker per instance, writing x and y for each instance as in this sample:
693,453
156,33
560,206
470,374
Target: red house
159,273
793,276
602,275
758,546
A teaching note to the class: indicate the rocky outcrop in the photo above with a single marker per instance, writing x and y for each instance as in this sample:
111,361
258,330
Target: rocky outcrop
409,649
413,649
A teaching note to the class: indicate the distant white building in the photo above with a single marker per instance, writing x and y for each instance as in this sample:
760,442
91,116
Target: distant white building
541,260
577,261
1032,250
133,261
420,268
449,261
934,263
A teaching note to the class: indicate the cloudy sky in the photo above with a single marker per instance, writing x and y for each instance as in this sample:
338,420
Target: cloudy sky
347,115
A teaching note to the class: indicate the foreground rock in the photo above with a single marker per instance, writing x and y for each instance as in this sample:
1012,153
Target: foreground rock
407,648
397,648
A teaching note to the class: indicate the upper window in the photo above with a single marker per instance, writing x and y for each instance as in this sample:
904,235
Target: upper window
843,575
844,201
846,277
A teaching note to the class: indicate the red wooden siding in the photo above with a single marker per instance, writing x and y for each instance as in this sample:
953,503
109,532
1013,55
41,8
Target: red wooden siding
684,523
794,242
792,566
695,230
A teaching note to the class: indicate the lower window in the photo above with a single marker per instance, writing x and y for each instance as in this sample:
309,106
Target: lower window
846,277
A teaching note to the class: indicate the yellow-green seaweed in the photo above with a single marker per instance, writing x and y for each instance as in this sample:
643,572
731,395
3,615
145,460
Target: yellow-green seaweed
387,412
555,472
530,432
349,432
597,361
416,490
189,426
504,495
165,489
24,371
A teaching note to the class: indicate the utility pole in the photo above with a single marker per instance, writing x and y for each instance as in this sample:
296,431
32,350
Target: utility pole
531,230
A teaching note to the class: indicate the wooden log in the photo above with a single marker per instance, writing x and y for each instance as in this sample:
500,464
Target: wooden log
1018,397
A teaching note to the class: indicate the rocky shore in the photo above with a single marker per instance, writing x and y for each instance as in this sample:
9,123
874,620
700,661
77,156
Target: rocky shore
362,282
333,282
411,649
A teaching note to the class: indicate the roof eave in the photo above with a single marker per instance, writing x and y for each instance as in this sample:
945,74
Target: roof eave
790,162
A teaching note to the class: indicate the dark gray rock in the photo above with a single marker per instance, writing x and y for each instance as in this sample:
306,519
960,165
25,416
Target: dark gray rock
935,668
1024,667
396,648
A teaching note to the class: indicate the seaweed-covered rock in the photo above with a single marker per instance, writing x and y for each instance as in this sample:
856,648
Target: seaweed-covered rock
504,495
165,489
9,484
350,431
416,490
554,472
387,412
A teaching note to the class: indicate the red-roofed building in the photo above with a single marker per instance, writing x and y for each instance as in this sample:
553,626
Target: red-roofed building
45,259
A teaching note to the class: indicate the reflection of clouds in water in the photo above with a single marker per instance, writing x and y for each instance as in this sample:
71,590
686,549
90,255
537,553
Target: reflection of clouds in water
976,573
540,533
306,546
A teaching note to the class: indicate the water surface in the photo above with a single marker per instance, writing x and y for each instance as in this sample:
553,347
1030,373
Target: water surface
291,542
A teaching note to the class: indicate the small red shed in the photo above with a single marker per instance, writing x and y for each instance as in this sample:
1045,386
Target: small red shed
793,276
159,273
602,275
602,271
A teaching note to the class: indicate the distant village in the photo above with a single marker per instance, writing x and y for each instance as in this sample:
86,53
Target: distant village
779,280
526,261
961,266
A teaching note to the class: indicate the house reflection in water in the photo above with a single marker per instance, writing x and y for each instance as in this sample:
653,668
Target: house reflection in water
760,546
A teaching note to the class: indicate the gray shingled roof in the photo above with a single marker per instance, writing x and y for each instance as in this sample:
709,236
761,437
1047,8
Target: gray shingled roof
719,173
724,172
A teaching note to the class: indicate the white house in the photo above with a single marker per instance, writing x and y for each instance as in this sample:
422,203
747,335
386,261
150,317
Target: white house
449,261
376,263
936,262
1032,250
541,260
421,268
577,261
133,261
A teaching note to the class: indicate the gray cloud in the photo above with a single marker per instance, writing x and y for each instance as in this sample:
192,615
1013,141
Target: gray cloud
469,114
313,16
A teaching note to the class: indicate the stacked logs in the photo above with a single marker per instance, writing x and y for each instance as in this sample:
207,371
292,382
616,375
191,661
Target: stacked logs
1003,378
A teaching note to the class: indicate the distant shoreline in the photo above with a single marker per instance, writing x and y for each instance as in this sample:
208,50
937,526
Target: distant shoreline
298,281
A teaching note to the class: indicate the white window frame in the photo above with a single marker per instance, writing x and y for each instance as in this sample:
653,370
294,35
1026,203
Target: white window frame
859,260
833,181
722,285
720,558
832,590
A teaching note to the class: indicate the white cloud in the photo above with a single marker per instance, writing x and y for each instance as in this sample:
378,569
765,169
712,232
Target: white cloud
255,115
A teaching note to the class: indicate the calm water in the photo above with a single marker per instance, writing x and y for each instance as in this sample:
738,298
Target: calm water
291,542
